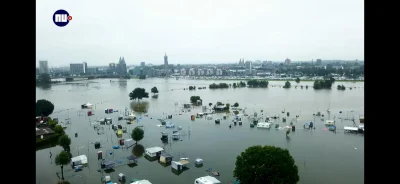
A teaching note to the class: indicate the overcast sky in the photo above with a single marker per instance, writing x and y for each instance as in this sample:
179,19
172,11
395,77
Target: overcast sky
199,31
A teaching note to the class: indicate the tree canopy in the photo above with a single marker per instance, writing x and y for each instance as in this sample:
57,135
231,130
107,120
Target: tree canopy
236,104
267,165
44,107
257,83
44,78
154,90
322,84
194,99
62,159
58,129
64,141
137,134
341,87
220,85
297,80
138,93
287,84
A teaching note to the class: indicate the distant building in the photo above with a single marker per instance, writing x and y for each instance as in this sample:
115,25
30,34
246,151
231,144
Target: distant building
288,61
92,70
209,72
165,61
183,71
192,72
200,72
37,71
318,62
265,62
43,67
219,72
121,67
142,64
77,68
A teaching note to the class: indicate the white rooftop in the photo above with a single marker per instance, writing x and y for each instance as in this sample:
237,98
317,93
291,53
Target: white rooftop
154,149
141,182
351,128
81,158
208,180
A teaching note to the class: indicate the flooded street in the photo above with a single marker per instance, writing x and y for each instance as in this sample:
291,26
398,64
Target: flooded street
321,156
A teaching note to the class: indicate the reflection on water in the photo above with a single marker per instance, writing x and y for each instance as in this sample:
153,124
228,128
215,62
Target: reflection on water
138,150
44,86
216,144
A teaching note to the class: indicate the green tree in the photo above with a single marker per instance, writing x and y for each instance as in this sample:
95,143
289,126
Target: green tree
64,141
137,134
138,93
267,165
236,104
297,80
193,99
59,129
44,78
234,85
62,159
154,90
210,104
44,107
287,84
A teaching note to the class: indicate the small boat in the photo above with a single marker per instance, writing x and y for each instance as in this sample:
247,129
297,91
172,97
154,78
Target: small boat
252,125
217,121
240,123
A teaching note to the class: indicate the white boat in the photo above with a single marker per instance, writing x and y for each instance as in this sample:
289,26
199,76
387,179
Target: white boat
207,180
264,125
329,122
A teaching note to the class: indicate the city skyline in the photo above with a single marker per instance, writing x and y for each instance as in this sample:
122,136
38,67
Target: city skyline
199,32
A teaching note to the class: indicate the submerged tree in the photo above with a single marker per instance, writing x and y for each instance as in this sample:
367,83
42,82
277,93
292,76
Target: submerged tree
44,78
44,107
287,84
297,80
236,104
154,90
138,93
62,159
194,99
267,165
137,134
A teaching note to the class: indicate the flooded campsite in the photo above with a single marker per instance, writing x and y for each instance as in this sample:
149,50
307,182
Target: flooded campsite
183,142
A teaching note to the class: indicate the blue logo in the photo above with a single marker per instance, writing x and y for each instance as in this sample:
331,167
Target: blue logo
61,18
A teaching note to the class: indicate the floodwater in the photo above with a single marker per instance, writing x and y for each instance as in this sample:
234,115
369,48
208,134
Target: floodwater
321,156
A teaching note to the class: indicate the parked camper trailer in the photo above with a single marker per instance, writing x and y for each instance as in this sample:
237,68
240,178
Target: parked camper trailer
153,151
79,160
